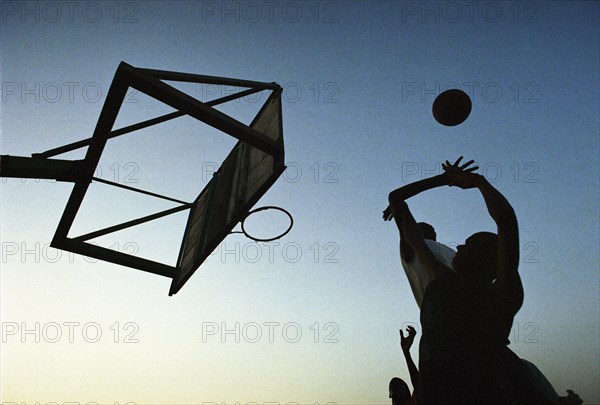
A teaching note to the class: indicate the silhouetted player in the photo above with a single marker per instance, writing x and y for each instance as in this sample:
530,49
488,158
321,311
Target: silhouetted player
466,317
399,391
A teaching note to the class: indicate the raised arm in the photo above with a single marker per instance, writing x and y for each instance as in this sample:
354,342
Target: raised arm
410,190
412,241
405,343
508,280
399,195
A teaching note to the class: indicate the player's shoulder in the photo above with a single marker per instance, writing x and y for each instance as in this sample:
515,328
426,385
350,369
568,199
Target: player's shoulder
435,246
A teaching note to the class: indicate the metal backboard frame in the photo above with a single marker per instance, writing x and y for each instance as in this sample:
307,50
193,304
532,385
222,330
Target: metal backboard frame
150,82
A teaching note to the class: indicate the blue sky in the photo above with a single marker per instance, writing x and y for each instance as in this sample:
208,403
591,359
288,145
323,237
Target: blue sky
316,313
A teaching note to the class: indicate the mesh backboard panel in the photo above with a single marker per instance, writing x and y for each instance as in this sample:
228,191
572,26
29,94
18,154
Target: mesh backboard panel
245,175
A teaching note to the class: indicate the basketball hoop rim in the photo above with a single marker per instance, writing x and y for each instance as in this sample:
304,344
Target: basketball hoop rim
267,207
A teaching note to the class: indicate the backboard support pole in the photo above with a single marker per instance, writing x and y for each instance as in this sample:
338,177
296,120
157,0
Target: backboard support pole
39,168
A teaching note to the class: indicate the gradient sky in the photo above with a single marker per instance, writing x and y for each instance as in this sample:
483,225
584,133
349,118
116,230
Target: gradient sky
316,313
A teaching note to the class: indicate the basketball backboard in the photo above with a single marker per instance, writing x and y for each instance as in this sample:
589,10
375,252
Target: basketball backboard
246,174
250,169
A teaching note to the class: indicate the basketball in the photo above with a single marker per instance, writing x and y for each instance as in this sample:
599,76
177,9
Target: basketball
451,107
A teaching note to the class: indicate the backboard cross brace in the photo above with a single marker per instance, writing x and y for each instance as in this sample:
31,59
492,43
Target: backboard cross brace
249,170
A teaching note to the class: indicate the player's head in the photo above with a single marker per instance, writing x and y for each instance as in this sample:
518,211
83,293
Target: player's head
399,391
478,256
427,230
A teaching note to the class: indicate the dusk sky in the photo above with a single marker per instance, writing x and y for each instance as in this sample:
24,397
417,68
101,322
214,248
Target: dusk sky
313,317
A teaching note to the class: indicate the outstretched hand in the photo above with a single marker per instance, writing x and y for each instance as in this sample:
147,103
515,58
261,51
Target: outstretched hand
461,176
407,341
456,167
387,214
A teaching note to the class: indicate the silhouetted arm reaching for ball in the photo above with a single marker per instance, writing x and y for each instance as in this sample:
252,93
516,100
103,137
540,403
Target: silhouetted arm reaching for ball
410,190
508,281
406,343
